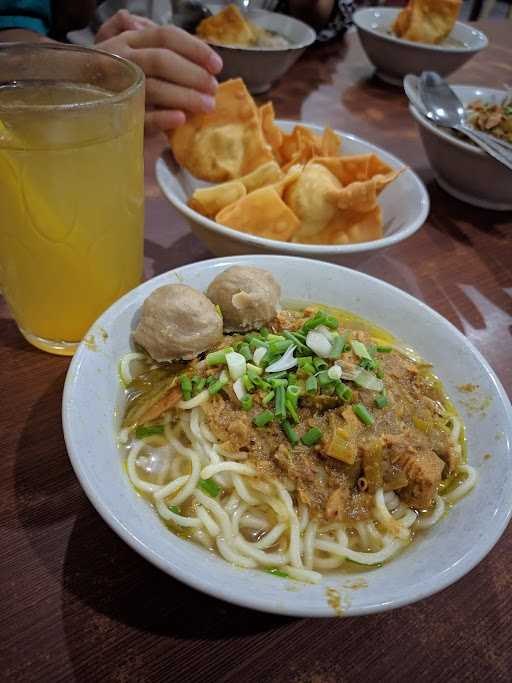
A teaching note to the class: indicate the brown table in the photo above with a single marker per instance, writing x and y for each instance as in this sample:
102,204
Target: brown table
77,604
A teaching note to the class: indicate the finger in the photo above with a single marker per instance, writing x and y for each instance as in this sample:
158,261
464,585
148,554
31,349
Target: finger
119,22
163,120
170,96
142,22
169,66
181,42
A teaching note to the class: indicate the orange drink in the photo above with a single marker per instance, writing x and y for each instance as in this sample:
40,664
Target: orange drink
71,188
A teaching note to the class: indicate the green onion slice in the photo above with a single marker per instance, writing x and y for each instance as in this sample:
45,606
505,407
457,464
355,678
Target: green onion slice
362,413
210,487
148,430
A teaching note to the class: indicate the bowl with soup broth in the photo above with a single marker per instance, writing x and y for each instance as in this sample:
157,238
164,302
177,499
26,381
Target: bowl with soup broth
394,57
246,537
262,65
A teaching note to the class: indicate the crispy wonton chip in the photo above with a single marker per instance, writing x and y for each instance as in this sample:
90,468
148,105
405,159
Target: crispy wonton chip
226,143
261,213
266,174
348,227
272,133
210,200
302,144
427,21
228,27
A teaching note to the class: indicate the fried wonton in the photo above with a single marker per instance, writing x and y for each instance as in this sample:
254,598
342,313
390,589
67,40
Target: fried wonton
228,27
331,192
312,198
427,21
272,133
226,143
302,144
261,213
348,227
210,200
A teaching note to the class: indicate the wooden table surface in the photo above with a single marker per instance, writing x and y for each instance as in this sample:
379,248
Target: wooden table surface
77,604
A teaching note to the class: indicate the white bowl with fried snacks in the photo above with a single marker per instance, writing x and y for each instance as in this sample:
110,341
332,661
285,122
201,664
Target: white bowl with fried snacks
93,403
394,57
405,206
260,67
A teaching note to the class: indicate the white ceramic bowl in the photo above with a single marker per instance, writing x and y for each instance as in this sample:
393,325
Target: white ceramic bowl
394,57
405,206
93,403
260,67
462,169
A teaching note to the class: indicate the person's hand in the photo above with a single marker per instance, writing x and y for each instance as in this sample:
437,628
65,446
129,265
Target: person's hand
179,70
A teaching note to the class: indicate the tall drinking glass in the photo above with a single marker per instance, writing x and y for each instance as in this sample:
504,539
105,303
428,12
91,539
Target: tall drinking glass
71,187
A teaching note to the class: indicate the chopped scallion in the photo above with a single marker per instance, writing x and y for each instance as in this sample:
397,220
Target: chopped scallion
148,430
381,401
360,349
244,349
384,349
186,387
246,402
176,509
280,401
290,433
210,487
320,364
218,357
311,385
263,418
323,378
292,411
199,384
217,386
279,346
267,398
312,436
362,413
343,392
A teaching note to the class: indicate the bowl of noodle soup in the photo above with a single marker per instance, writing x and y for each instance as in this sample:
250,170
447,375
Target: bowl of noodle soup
94,403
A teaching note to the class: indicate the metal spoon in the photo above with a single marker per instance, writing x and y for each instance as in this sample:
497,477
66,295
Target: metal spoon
444,108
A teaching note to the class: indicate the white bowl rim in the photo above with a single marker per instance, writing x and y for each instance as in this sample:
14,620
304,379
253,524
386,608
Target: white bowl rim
421,46
440,132
300,248
455,572
293,46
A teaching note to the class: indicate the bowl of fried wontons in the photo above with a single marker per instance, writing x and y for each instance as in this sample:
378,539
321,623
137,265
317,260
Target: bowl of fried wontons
248,183
257,45
424,35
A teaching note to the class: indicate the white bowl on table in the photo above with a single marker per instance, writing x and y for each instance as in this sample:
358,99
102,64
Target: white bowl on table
93,402
260,67
394,57
405,206
461,168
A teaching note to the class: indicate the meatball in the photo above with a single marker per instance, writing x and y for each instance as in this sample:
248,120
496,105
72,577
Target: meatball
177,322
248,297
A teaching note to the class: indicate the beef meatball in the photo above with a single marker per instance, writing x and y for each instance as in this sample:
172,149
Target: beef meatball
177,322
248,297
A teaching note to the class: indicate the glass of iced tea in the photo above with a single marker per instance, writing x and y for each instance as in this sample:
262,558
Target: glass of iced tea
71,187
